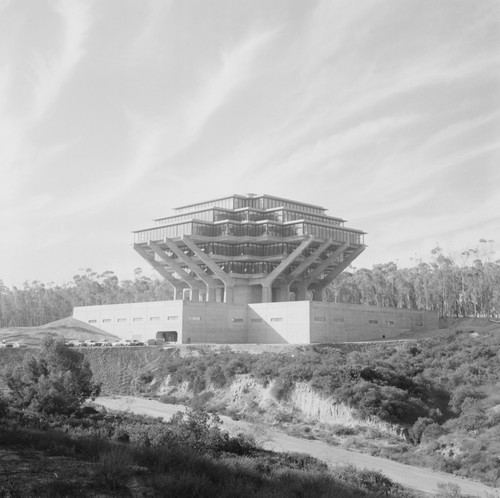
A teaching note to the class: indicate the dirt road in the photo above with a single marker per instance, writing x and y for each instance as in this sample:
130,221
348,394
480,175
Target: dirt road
417,478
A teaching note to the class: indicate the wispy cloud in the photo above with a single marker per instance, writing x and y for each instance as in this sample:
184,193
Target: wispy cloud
463,127
217,87
156,141
51,72
146,45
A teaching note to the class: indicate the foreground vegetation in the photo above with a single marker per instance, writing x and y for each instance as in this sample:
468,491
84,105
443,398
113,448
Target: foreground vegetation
126,455
441,394
189,456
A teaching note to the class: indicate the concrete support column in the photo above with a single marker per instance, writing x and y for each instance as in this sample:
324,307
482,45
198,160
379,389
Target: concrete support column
301,291
229,294
195,294
267,293
284,292
219,295
211,294
317,293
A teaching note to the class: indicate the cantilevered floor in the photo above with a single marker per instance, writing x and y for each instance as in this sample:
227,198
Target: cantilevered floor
249,249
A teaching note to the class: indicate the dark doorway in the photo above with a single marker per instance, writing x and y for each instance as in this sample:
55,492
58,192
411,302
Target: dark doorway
166,336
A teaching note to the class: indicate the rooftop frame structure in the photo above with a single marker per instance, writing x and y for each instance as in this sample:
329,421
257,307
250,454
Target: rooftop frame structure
250,248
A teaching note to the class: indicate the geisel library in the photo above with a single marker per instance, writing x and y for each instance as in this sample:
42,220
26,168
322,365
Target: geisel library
251,269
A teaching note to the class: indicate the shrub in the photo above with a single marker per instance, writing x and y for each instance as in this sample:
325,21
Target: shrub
419,427
146,378
4,405
371,481
448,490
216,376
282,387
473,417
197,429
114,466
461,394
343,430
58,381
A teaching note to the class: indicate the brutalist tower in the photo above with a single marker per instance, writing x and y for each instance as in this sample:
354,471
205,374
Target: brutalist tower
250,248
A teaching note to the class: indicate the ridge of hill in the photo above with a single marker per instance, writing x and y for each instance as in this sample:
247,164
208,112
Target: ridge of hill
68,328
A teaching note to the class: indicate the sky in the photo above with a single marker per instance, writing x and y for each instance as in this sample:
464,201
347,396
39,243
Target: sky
385,112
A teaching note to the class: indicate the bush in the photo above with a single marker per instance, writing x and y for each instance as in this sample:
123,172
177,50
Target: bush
448,490
57,382
114,466
461,394
419,427
146,378
4,406
473,417
282,387
371,481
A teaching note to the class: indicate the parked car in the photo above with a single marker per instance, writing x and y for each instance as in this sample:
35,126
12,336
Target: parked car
12,345
135,342
122,342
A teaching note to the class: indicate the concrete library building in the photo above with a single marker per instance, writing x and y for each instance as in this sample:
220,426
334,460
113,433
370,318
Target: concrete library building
251,269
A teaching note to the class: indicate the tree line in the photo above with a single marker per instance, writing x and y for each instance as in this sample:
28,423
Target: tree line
469,288
37,303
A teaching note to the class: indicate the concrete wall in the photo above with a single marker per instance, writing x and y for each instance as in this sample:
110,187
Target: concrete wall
294,322
215,323
134,320
244,294
333,322
273,323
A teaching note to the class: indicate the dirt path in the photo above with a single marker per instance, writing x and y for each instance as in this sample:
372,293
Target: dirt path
417,478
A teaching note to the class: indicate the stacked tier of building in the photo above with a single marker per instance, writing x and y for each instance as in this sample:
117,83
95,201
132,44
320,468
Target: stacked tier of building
249,249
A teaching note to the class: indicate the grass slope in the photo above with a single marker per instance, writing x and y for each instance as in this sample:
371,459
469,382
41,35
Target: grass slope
66,328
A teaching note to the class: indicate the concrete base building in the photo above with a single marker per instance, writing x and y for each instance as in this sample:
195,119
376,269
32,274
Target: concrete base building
294,322
251,269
